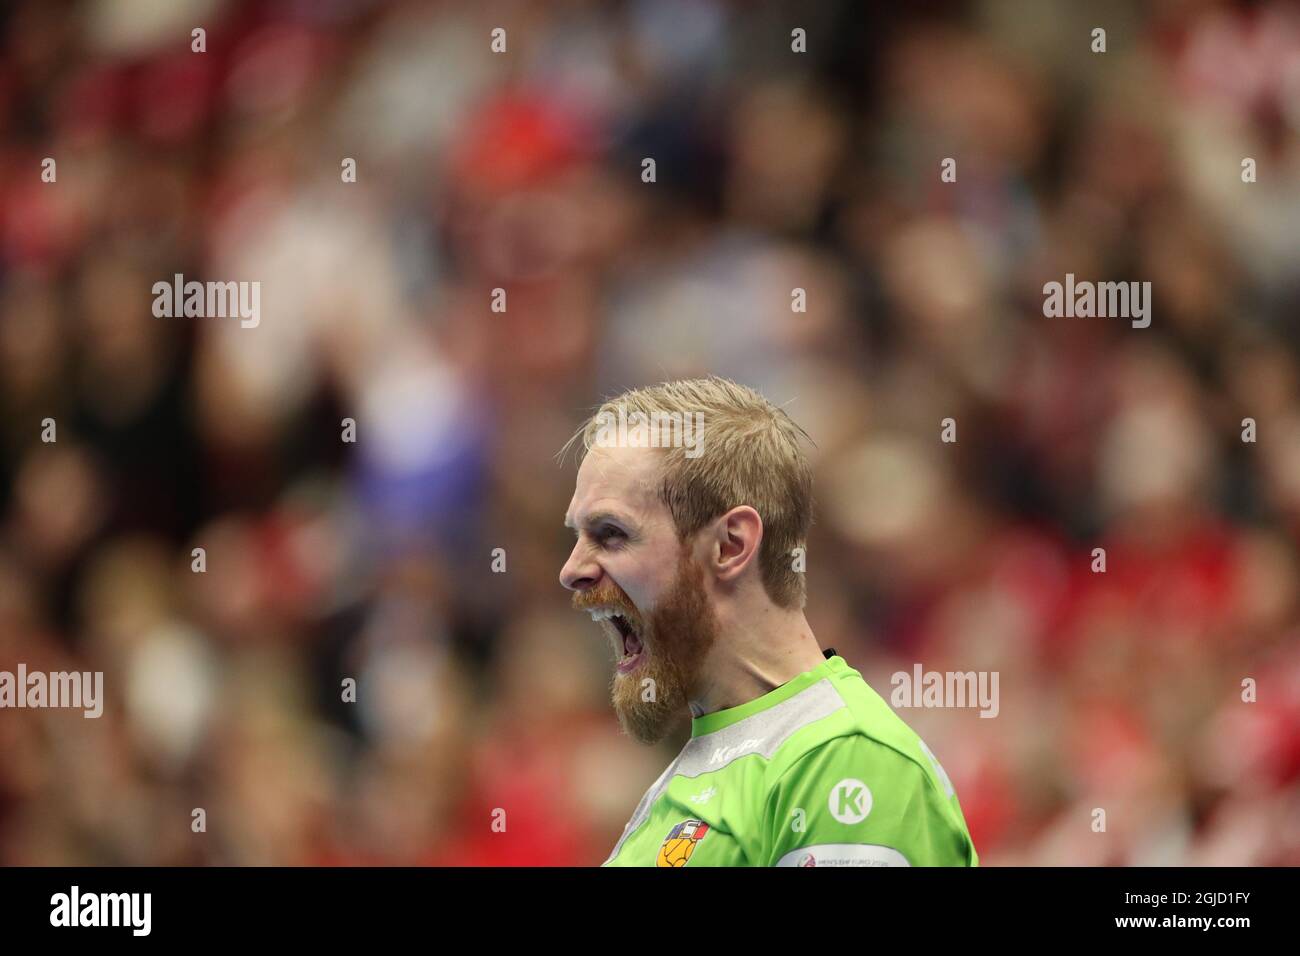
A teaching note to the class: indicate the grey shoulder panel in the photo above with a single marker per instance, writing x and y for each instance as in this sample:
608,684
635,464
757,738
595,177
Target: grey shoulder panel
761,734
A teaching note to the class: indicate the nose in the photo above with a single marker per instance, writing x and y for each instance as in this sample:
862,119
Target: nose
580,572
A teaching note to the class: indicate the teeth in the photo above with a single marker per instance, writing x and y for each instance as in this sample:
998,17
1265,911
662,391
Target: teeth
605,613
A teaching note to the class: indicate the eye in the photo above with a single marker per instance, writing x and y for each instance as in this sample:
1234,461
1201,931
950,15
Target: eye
607,534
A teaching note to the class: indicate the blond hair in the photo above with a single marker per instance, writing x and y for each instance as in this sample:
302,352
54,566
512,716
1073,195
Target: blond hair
753,456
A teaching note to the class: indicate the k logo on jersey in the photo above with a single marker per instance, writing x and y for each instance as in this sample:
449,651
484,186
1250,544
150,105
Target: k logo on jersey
680,843
850,801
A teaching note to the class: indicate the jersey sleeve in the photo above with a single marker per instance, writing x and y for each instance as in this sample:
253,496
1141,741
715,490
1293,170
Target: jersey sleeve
853,801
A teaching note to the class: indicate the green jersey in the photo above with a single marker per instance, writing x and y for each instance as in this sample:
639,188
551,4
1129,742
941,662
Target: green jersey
819,772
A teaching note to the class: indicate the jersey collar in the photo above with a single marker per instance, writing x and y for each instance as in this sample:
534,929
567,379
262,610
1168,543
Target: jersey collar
719,719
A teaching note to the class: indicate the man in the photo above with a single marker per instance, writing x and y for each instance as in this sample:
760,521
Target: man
690,527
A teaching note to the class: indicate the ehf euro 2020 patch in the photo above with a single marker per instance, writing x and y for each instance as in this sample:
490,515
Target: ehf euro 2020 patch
680,843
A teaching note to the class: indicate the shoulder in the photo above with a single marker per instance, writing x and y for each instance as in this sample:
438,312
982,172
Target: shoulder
862,778
859,799
858,729
849,755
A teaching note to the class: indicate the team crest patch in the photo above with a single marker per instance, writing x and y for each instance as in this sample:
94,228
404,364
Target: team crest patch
680,843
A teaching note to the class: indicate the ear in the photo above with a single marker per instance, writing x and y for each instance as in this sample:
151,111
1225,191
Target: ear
736,539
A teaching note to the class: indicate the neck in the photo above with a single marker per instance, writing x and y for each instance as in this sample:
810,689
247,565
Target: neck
751,658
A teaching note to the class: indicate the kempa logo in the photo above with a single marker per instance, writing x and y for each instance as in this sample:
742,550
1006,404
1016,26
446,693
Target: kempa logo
214,300
726,753
656,429
103,909
1105,300
946,689
56,690
850,801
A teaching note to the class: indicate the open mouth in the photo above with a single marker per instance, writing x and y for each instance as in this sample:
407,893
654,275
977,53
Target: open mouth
623,635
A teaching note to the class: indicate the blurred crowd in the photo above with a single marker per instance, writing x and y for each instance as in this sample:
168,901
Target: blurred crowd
481,733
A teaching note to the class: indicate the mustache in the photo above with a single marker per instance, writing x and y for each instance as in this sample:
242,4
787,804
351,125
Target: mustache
599,597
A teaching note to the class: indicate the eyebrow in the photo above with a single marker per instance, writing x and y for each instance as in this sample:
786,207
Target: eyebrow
598,517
